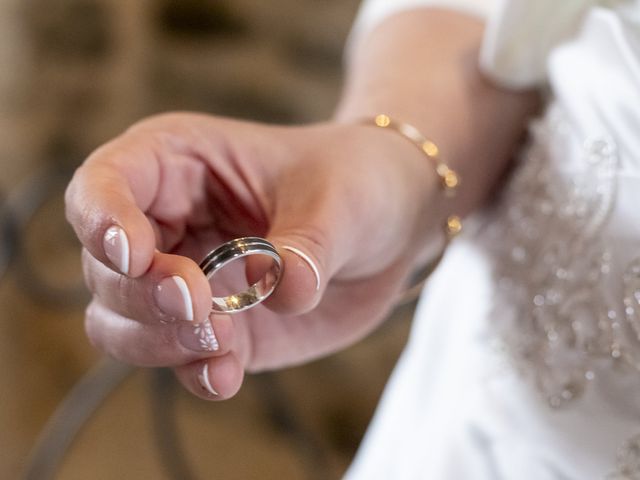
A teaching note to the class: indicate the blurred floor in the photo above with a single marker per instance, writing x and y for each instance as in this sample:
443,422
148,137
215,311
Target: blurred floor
73,73
44,352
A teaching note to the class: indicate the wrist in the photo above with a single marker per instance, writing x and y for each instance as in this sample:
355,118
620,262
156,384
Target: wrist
415,205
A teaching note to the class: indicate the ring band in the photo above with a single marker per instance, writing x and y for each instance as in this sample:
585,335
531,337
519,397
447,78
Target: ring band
228,252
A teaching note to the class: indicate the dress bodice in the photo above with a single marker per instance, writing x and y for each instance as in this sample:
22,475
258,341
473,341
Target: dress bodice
545,358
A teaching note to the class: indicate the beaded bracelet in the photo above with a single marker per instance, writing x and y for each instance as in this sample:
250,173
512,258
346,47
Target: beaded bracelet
449,182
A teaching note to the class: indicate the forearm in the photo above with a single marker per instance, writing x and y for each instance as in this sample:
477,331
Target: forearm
421,67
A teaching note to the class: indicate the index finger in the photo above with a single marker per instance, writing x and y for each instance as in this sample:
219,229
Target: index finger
106,201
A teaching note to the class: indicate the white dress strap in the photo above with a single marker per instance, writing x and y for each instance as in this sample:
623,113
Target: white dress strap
519,35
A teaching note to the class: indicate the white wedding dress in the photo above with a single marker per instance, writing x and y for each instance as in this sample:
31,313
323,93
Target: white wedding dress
524,358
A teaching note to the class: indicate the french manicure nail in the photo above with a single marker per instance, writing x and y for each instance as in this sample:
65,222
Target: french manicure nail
203,378
198,337
173,297
116,247
308,261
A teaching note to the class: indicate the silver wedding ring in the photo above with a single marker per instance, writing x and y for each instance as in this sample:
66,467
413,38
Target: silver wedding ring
226,253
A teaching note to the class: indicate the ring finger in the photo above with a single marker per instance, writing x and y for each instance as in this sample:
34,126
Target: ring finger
173,288
157,345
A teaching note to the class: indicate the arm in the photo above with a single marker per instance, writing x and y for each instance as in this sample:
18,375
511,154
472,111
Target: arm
421,67
359,202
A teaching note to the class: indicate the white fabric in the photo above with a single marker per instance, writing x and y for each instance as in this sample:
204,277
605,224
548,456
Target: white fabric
521,34
456,406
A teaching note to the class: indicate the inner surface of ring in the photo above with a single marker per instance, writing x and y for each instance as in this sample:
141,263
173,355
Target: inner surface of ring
258,291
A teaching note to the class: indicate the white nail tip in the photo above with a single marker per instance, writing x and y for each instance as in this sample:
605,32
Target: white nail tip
203,377
308,260
116,242
125,253
186,297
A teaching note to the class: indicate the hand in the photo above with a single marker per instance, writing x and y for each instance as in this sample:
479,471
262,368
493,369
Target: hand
150,204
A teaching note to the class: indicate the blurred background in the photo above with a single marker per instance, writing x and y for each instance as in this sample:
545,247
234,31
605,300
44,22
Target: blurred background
74,73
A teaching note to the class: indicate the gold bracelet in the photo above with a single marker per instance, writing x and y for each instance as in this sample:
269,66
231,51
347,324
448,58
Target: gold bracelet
449,182
448,177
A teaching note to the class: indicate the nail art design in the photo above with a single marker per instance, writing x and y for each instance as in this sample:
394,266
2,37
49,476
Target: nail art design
203,378
199,337
309,262
206,336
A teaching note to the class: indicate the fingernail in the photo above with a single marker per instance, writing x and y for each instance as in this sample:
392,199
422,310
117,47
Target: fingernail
309,262
198,337
203,378
116,247
173,298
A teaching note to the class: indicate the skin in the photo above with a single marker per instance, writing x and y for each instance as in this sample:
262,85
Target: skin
359,201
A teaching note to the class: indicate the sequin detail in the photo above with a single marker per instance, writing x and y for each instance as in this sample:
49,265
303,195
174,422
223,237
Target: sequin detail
628,466
551,262
554,268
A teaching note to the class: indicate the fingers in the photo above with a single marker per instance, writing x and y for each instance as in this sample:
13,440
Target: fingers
216,378
106,200
173,288
157,345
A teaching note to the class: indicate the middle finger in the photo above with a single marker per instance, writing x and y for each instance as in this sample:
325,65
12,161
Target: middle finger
174,288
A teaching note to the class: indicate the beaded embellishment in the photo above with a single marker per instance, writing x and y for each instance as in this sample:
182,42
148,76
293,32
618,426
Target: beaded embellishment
555,263
628,465
554,267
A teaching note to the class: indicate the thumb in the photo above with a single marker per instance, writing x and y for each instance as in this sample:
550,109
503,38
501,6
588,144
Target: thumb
306,260
312,240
